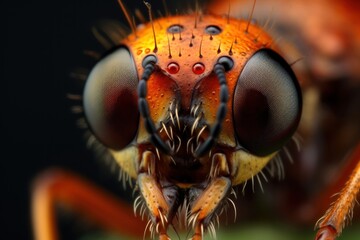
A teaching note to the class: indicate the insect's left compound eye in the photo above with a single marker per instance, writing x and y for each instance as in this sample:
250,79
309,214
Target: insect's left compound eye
267,103
110,100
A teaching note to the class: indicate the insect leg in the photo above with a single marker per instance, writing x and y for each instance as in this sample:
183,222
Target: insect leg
334,220
161,200
209,201
58,186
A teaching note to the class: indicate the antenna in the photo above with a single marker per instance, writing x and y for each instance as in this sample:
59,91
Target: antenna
127,16
250,17
148,5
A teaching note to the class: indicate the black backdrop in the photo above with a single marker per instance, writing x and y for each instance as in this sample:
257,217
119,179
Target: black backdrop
43,42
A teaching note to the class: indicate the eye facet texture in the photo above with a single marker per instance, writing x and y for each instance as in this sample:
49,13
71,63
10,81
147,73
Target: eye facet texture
267,103
110,100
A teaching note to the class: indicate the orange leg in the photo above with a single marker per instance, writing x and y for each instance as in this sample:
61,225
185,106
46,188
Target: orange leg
218,189
161,209
205,206
158,208
58,186
332,223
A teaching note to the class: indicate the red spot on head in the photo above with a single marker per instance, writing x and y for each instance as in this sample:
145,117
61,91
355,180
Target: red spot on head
173,68
198,68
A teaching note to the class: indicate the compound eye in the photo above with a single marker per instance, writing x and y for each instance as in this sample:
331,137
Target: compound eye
267,103
110,100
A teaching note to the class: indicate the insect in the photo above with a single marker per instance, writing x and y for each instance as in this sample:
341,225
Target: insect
191,106
216,103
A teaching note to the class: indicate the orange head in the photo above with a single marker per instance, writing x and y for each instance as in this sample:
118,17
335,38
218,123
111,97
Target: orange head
187,88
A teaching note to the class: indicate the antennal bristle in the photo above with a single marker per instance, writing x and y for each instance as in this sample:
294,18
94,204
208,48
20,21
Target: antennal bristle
250,17
127,16
148,5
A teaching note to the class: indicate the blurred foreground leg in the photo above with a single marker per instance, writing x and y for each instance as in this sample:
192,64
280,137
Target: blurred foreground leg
341,211
58,186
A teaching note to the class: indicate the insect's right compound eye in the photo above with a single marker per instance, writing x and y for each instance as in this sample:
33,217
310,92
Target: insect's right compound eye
110,100
267,103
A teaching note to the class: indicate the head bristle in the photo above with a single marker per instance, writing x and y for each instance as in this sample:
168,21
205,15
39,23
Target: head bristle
200,55
268,19
230,50
196,13
133,21
165,8
219,49
127,16
265,26
296,61
250,17
180,38
228,14
158,22
170,56
148,5
140,16
160,14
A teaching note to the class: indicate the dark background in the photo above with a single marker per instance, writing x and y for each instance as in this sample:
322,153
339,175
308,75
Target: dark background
44,41
43,44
